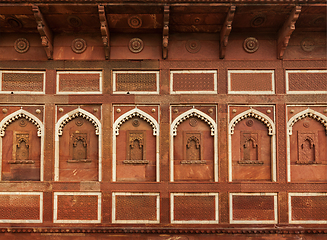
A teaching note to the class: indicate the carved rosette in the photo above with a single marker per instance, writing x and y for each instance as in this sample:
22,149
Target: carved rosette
135,22
307,44
193,46
74,21
251,45
78,45
22,45
258,20
135,45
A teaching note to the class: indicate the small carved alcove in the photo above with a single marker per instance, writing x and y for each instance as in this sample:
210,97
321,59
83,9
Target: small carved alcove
193,151
136,151
251,150
78,150
21,151
308,151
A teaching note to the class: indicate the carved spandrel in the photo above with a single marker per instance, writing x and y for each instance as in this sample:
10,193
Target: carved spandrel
250,148
308,148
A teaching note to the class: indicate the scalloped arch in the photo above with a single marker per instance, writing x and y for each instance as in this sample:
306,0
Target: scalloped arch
21,113
79,112
307,113
255,114
193,113
136,113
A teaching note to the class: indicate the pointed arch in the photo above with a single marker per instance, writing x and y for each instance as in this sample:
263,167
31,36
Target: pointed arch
307,113
193,113
21,113
136,113
79,112
255,114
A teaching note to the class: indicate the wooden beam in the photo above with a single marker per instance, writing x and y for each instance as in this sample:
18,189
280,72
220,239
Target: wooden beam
225,31
45,32
104,30
285,32
165,32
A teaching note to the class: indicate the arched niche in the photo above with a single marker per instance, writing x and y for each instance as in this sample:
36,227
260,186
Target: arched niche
251,144
78,147
193,147
306,147
136,147
22,147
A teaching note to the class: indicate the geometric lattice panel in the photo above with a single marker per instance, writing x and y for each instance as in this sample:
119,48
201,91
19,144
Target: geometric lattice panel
79,82
21,207
77,207
196,82
251,82
250,208
191,208
22,81
307,208
135,207
306,81
139,82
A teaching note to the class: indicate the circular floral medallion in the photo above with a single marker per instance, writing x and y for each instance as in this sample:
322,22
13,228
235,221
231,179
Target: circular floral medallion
307,44
193,122
258,20
22,45
135,22
249,123
193,46
79,122
74,21
78,45
22,123
306,124
135,45
136,123
251,45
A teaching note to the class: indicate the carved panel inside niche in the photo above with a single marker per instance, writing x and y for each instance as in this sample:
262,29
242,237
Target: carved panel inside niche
21,152
136,151
78,151
308,147
193,151
251,151
250,148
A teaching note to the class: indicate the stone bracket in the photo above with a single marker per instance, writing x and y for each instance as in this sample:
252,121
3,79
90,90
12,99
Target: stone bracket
45,32
225,31
104,30
165,32
285,32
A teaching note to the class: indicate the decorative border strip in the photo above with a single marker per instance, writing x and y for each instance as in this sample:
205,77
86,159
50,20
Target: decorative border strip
302,71
114,194
114,87
23,92
81,73
231,221
55,206
216,221
290,195
21,220
214,91
272,91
